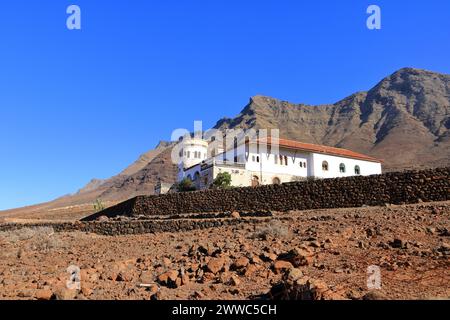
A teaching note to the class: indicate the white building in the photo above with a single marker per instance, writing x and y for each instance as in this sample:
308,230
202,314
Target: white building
264,162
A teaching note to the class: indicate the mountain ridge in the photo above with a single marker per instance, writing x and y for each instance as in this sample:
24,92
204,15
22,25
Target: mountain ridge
404,119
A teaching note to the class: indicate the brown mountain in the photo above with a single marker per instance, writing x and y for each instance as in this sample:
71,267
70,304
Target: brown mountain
404,120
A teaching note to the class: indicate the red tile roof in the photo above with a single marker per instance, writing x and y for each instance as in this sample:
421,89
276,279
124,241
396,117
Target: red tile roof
291,144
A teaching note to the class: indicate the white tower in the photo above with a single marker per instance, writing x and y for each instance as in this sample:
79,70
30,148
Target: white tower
194,151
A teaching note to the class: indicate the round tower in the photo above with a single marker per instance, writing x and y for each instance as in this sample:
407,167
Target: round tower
194,151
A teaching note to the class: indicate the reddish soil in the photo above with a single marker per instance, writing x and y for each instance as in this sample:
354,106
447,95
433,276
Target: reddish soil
410,244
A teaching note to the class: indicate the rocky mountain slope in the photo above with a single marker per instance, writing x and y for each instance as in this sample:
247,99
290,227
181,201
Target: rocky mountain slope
404,120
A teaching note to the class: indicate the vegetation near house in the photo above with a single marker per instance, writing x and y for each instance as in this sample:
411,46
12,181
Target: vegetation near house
98,205
185,185
222,181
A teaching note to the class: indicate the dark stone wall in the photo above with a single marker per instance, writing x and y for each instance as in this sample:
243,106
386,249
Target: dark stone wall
394,188
137,226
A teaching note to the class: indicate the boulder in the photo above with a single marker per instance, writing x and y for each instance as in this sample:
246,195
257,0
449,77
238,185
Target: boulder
215,265
298,257
281,265
168,278
43,294
240,263
303,288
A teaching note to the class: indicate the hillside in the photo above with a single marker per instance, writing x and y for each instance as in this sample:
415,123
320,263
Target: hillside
404,120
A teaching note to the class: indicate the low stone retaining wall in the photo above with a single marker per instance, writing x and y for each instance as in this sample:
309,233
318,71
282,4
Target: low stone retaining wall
136,227
394,188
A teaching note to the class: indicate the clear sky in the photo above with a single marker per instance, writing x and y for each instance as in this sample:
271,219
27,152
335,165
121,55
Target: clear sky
80,104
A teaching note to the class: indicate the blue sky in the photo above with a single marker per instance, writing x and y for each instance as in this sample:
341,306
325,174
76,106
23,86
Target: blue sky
80,104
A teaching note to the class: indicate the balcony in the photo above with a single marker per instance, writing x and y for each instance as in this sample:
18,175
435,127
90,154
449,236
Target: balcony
222,163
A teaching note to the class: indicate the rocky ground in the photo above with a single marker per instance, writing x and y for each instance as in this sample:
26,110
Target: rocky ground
318,254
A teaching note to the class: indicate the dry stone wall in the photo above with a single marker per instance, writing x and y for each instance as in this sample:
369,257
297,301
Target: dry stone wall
394,188
113,228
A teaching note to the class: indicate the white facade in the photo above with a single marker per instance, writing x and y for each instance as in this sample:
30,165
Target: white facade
350,166
193,152
249,166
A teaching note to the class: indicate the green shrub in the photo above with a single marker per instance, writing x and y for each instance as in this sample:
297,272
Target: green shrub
222,181
185,185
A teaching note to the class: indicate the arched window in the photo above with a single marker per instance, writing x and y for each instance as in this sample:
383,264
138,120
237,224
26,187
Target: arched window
357,170
276,180
342,168
285,160
325,166
301,164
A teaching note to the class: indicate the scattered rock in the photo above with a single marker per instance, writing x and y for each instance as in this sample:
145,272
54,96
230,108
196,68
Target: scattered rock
298,257
122,276
282,265
215,265
396,243
153,289
294,274
314,244
44,294
250,269
270,257
374,295
240,263
169,278
167,262
303,288
65,294
25,293
234,280
86,290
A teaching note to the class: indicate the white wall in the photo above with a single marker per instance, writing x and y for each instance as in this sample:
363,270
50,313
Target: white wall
367,167
267,163
190,149
266,169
